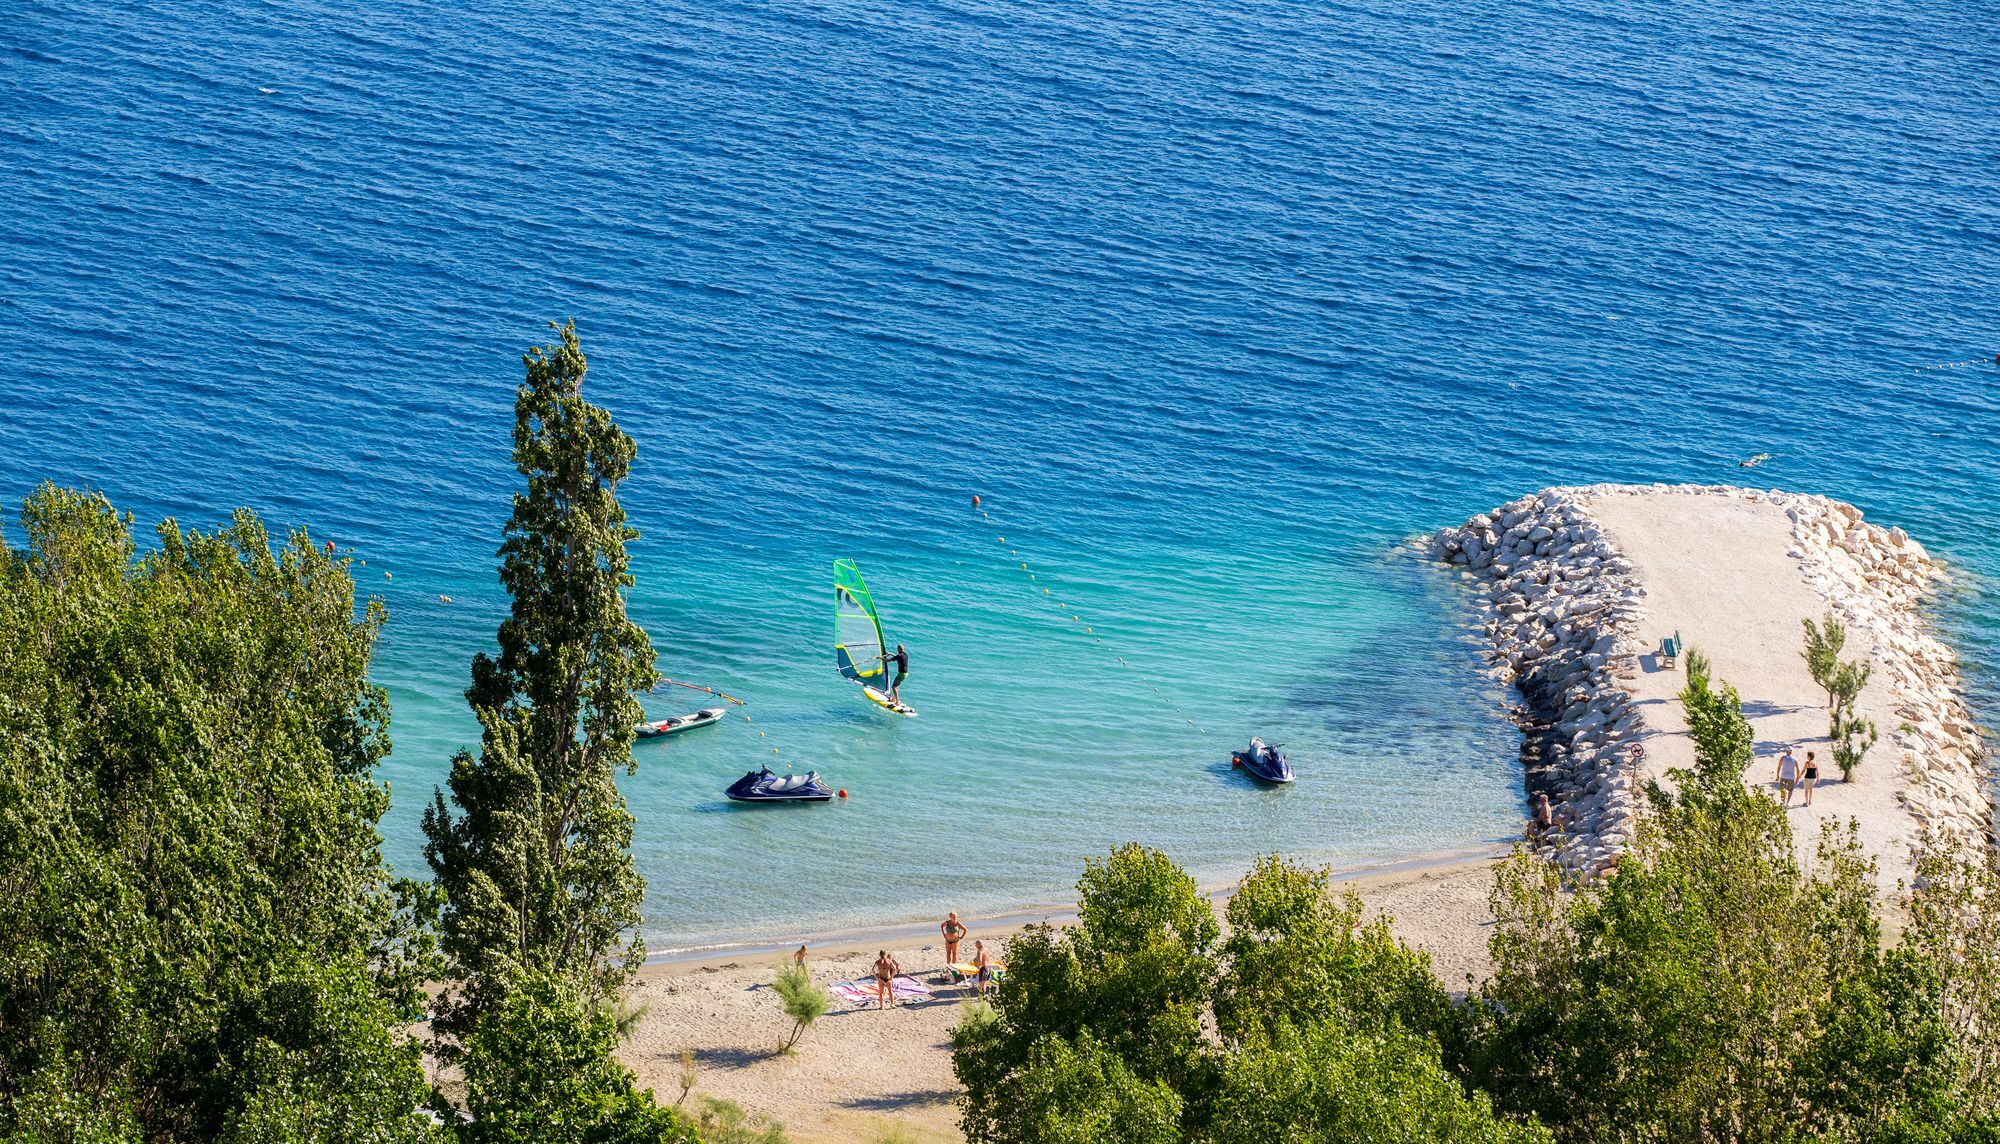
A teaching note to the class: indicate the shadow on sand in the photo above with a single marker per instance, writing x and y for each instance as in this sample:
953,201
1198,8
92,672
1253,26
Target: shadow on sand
901,1101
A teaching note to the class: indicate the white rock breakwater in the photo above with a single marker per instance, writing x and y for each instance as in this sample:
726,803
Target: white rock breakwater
1562,608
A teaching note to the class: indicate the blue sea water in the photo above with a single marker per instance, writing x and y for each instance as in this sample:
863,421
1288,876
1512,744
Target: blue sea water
1213,304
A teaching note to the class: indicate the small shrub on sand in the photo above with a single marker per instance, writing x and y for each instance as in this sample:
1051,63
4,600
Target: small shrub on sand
724,1122
979,1016
804,1001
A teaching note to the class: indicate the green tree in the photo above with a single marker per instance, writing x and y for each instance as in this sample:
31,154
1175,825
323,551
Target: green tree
1724,743
1955,929
804,1001
1824,641
1298,954
539,1069
1329,1084
1082,1093
1716,988
1852,736
1136,973
535,861
198,937
725,1122
1126,1027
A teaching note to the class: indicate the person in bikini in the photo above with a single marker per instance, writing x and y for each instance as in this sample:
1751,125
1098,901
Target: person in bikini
886,970
954,932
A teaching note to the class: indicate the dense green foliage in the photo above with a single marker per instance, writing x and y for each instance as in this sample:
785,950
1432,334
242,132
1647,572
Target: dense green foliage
535,860
540,921
724,1122
539,1070
198,938
1717,988
1324,1027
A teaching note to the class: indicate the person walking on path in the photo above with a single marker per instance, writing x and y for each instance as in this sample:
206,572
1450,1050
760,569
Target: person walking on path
954,932
1811,777
886,970
982,963
1788,777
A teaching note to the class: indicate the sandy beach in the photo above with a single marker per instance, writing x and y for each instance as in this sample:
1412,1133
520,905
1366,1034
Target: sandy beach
860,1074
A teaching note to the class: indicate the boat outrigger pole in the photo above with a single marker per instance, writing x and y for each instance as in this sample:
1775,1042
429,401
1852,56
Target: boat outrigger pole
699,687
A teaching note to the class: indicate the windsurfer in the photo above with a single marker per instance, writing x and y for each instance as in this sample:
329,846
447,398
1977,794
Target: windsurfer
901,662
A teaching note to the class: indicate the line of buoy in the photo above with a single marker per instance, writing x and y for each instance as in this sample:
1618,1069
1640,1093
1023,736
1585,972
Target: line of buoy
1955,364
1076,618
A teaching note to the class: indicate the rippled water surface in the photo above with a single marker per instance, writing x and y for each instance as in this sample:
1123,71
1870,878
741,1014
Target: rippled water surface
1213,304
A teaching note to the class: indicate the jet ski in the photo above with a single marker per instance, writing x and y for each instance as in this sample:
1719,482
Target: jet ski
673,723
763,786
1263,761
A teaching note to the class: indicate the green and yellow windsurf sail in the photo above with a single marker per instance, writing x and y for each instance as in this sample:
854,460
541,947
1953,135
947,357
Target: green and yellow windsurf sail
857,633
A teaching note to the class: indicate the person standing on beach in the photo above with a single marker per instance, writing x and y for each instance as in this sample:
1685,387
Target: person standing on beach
954,932
1811,778
982,963
886,970
1788,776
799,956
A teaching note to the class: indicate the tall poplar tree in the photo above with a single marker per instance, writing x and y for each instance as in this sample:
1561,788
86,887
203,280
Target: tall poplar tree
536,858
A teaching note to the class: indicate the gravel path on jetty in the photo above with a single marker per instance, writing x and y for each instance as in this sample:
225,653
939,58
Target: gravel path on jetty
1576,588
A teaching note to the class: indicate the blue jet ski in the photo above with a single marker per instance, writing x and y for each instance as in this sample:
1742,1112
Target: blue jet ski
1263,761
763,786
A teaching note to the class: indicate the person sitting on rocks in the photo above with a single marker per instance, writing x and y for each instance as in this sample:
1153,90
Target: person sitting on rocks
1545,818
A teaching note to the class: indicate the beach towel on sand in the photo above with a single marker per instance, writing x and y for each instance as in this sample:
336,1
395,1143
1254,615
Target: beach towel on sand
861,990
965,970
852,992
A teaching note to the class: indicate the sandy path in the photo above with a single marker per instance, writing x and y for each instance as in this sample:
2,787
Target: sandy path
1716,569
859,1074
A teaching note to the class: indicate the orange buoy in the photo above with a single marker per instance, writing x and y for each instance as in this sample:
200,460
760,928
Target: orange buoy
843,792
975,500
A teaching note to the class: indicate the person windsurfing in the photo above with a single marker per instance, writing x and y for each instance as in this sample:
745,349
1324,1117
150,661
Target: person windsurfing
900,661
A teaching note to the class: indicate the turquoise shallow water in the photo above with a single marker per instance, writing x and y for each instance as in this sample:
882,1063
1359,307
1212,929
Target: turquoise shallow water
1213,305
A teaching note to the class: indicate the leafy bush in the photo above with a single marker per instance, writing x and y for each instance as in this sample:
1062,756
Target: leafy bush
1098,1032
198,936
724,1122
803,1000
539,1070
1326,1083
